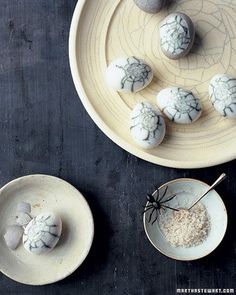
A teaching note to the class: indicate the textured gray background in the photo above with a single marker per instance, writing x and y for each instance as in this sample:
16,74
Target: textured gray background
45,129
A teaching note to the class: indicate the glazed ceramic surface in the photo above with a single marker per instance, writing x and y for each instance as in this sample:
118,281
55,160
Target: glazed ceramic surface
150,6
128,74
147,125
179,105
177,35
46,193
187,191
222,91
102,31
42,233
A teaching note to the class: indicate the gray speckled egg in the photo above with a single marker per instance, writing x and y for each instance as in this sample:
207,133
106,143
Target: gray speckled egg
150,6
147,126
177,34
42,233
128,74
179,105
222,91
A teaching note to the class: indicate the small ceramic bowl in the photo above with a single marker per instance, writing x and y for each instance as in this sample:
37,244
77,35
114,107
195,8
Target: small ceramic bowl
187,191
46,193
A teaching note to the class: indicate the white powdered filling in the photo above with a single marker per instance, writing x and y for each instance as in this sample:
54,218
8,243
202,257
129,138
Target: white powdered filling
185,228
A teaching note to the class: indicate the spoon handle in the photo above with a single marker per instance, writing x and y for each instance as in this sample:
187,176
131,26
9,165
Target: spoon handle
219,179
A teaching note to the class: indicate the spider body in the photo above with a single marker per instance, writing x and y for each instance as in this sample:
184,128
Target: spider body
222,90
128,74
135,71
157,203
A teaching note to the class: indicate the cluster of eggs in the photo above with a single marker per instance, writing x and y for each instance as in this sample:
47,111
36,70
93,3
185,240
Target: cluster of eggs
40,233
132,74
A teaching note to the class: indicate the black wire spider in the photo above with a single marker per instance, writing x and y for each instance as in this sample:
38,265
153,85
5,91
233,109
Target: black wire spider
157,203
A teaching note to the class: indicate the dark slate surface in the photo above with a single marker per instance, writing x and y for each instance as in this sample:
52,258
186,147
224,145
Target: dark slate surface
45,129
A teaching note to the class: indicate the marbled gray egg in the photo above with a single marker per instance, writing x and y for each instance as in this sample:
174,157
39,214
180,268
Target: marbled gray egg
177,34
42,233
222,91
128,74
150,6
147,125
179,105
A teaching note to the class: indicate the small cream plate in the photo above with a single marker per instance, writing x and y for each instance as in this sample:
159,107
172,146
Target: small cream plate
187,190
46,193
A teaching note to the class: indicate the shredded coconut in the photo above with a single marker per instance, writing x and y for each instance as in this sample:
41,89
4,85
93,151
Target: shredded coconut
185,228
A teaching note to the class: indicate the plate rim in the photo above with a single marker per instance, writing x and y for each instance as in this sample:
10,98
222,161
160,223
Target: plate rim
224,208
12,182
132,149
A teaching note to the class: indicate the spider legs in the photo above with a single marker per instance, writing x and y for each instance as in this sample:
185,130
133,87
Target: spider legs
132,86
123,81
169,199
137,60
155,218
147,208
150,216
164,193
165,206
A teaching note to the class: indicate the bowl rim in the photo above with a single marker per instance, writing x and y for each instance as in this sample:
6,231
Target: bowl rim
66,274
200,256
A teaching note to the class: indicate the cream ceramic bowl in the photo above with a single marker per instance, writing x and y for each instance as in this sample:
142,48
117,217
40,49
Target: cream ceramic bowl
187,190
46,193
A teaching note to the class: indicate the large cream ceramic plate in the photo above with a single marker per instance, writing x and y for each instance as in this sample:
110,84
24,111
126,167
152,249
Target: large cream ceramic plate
103,30
46,193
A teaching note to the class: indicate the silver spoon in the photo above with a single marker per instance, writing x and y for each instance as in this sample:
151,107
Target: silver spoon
221,178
